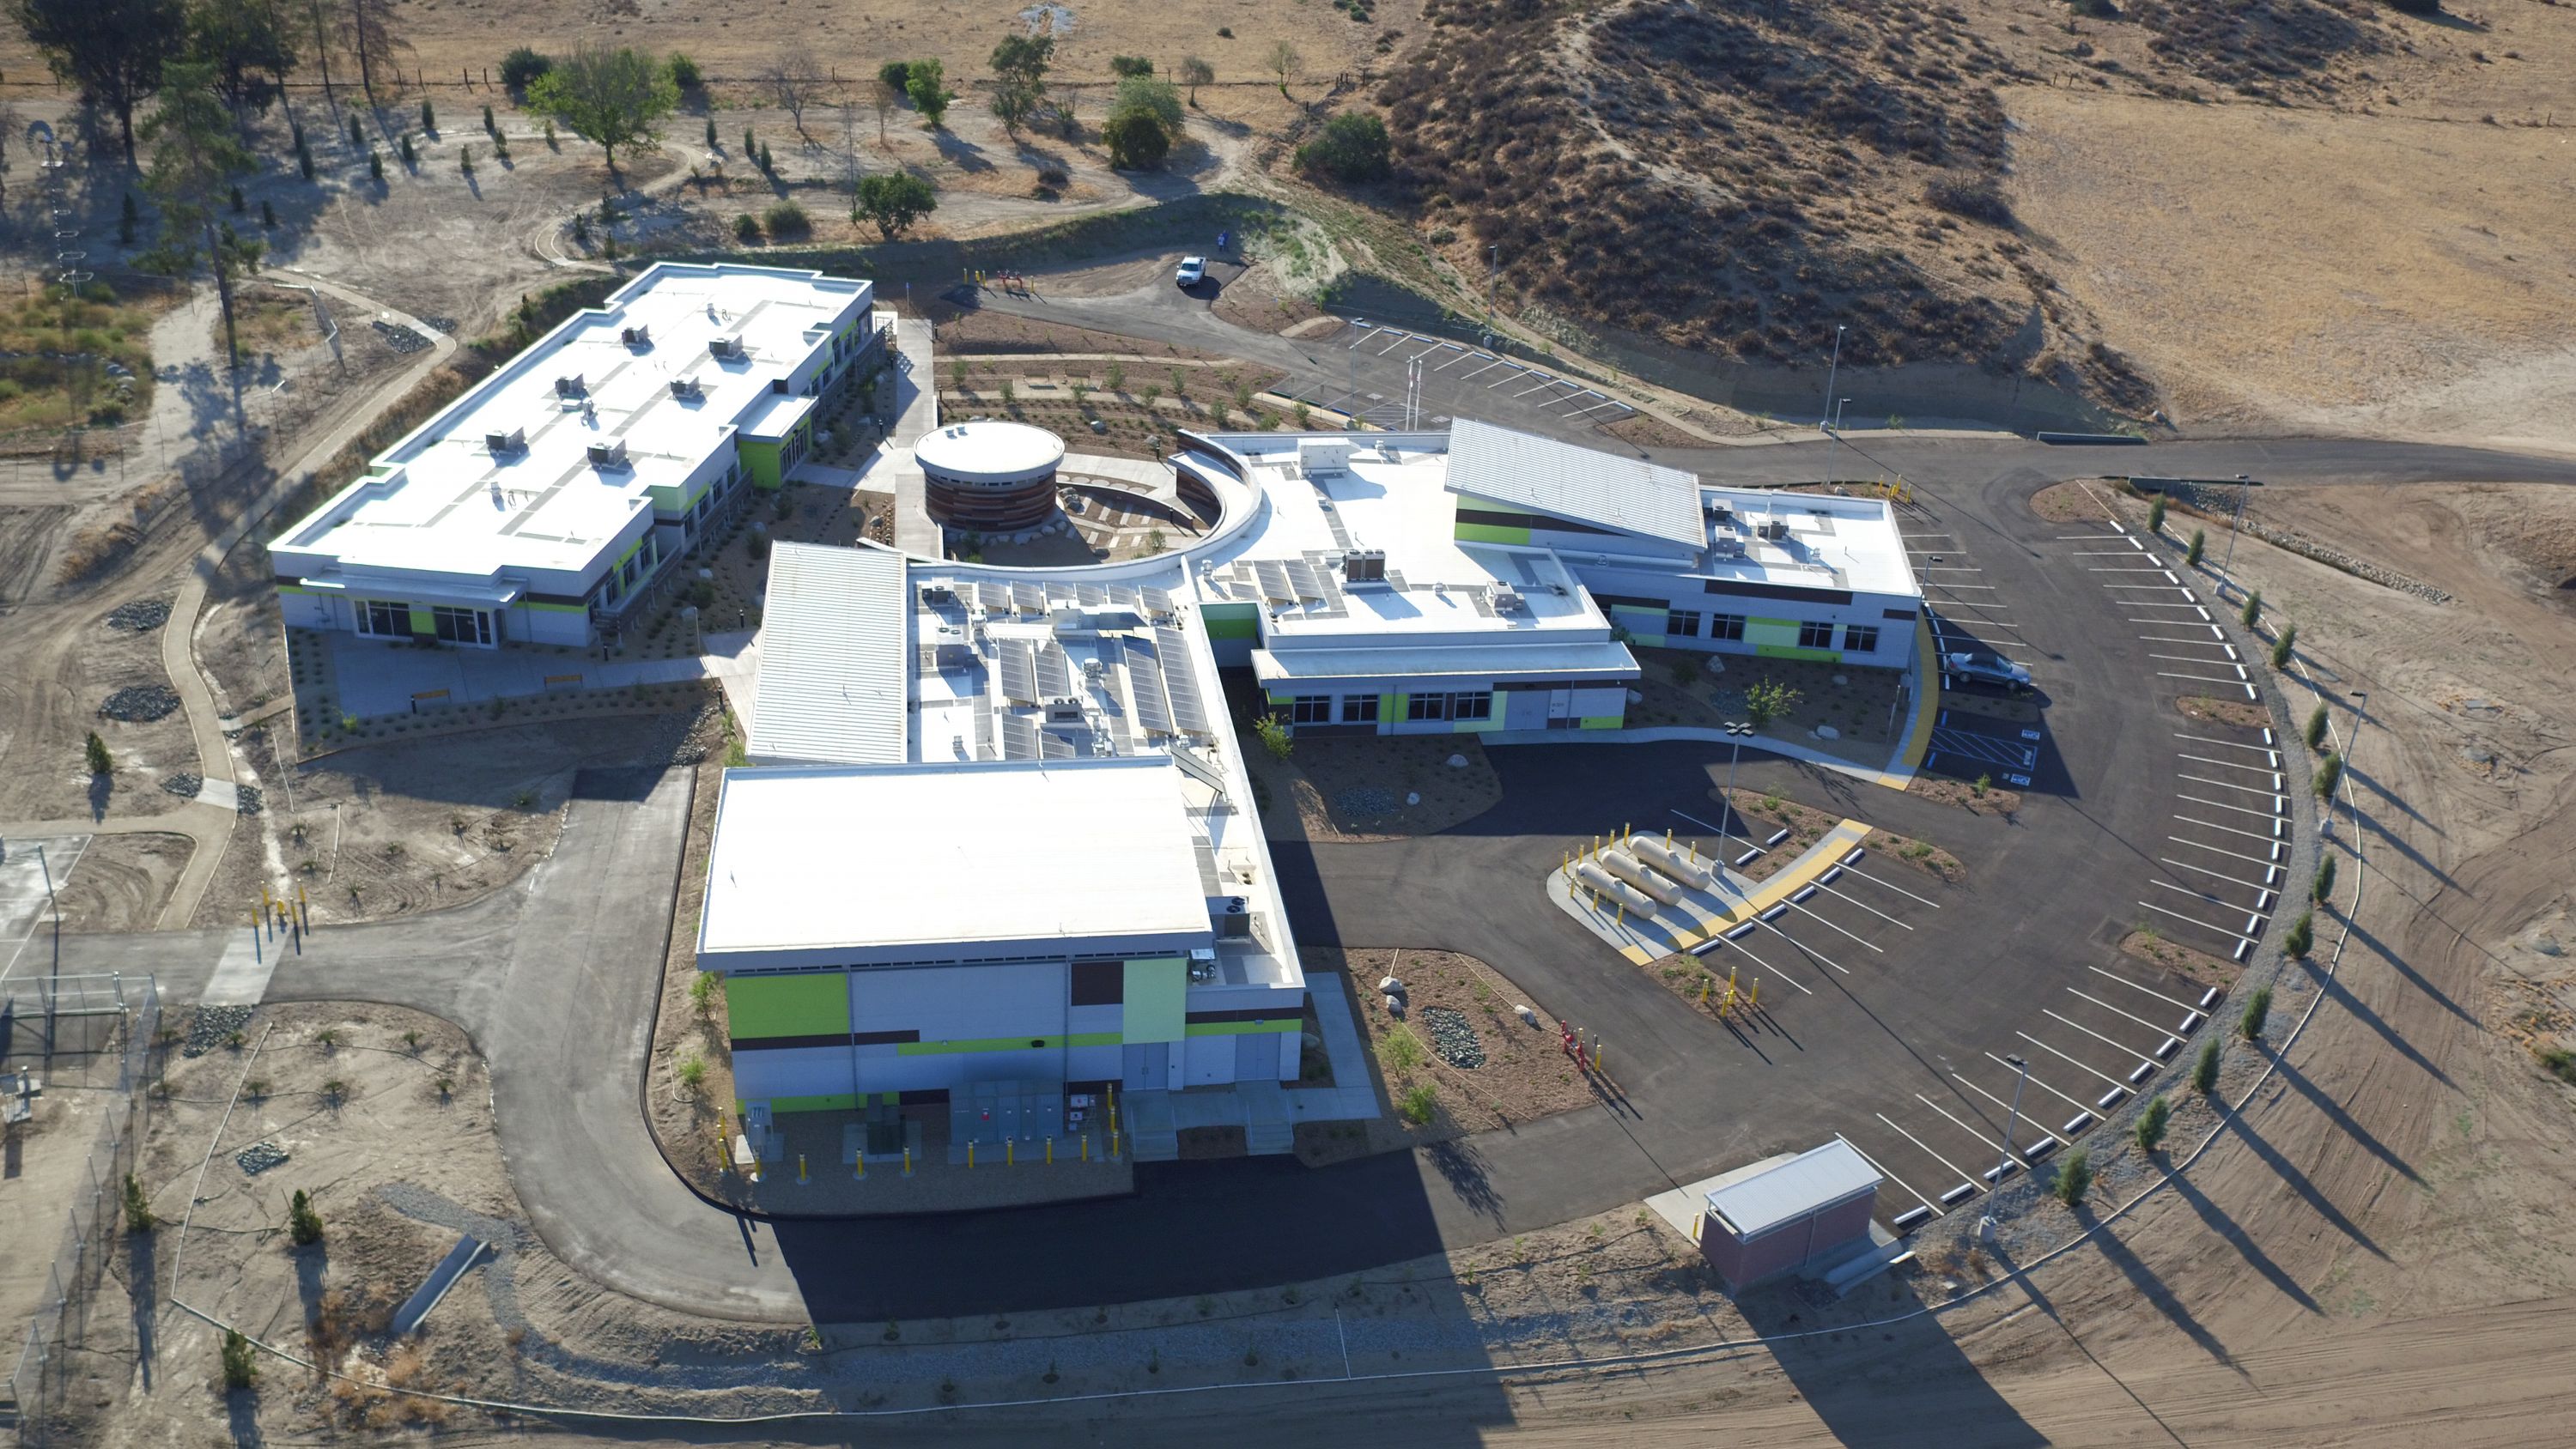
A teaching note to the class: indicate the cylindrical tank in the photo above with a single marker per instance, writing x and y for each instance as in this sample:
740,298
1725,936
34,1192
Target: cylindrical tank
1676,862
1591,874
1632,870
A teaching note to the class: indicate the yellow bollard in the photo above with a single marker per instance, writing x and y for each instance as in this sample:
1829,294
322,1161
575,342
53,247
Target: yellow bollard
1050,1152
1113,1144
1010,1152
970,1154
859,1162
1086,1147
800,1169
907,1161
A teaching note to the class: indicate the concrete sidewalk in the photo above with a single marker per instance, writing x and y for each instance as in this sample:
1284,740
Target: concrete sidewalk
378,679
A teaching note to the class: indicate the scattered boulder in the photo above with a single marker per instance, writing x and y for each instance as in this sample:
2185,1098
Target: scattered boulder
1828,732
1391,986
1842,679
259,1157
1395,1007
1452,1037
1527,1016
1457,762
1716,665
1412,797
140,616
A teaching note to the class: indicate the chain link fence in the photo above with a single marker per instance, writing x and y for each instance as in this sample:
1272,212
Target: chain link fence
101,1029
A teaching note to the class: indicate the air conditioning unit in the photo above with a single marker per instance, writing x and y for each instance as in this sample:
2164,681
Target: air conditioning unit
1364,566
497,442
609,454
1065,709
938,594
687,387
636,336
728,348
1726,545
1509,601
1775,530
570,385
1203,958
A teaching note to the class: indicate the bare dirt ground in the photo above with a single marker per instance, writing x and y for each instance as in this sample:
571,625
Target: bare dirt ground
1357,789
1766,815
123,882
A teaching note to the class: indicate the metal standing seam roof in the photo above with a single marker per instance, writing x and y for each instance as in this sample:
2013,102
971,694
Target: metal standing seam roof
1577,483
833,674
1818,1177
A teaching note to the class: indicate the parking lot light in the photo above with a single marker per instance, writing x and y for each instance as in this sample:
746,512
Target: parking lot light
1736,732
2014,1120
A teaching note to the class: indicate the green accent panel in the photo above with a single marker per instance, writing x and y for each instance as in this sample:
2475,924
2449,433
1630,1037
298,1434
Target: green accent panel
1603,721
1229,621
803,1005
1093,1038
997,1044
762,459
1767,619
1390,708
1477,726
834,1102
1771,631
1491,533
556,608
631,549
1792,651
423,622
1157,999
1244,1028
291,589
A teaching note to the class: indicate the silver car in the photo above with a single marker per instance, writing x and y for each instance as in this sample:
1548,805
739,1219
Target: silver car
1193,271
1987,667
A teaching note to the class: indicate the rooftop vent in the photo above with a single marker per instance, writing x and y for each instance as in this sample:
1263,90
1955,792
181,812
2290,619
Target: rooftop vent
687,387
1509,601
497,442
1064,709
608,454
1775,530
1719,512
1364,566
636,336
570,385
1726,545
728,348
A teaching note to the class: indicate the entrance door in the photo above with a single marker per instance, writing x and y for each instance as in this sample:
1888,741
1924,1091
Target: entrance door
1560,705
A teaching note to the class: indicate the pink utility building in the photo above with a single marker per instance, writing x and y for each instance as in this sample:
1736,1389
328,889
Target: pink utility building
1788,1211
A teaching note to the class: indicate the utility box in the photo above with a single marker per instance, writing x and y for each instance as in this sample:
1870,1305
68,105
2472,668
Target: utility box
1785,1212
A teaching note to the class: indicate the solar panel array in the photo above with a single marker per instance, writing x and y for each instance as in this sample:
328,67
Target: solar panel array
1157,601
995,598
1019,671
1123,595
1055,672
1188,711
1090,596
1019,737
1274,581
1053,746
1301,577
1029,597
1145,685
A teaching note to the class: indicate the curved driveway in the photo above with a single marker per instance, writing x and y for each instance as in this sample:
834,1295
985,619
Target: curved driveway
555,980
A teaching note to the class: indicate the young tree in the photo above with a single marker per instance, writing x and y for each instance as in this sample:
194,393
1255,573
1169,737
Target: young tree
94,752
883,97
521,67
1283,61
894,200
1768,700
2156,514
248,43
112,50
195,159
367,32
2284,645
1196,73
1127,65
2300,938
2204,1072
2252,613
612,98
1153,97
794,81
2322,888
926,82
2329,774
2074,1177
1136,141
1353,147
2258,1008
303,1224
2315,732
2199,542
1019,78
2151,1124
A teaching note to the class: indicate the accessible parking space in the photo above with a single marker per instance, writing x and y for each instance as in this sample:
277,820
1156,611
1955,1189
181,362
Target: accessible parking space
32,870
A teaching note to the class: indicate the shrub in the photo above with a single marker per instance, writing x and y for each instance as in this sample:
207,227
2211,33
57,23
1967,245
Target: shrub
2302,934
2282,647
1135,141
2252,613
746,228
2329,774
491,127
896,73
2315,733
402,143
1419,1104
1353,147
357,132
2156,514
241,1364
303,1224
1969,195
1403,1049
1768,700
95,750
702,992
692,1071
1274,736
522,66
2204,1072
768,163
1982,784
926,82
2074,1177
2199,542
2322,888
2258,1007
375,165
138,1208
2559,1062
2151,1124
894,200
428,116
685,73
785,219
1127,65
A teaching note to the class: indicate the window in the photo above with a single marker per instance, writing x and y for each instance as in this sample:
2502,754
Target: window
462,626
376,616
1311,709
1359,709
1813,635
1426,706
1099,983
1479,705
1726,626
1860,638
1682,623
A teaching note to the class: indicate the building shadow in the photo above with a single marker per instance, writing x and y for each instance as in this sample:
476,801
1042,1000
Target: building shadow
1898,1383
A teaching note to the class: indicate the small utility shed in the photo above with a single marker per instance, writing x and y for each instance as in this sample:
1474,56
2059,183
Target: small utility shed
1785,1211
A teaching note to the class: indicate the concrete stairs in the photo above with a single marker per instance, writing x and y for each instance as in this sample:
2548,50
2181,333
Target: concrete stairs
1151,1134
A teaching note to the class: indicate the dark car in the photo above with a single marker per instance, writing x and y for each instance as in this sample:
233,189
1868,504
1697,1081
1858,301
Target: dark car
1985,666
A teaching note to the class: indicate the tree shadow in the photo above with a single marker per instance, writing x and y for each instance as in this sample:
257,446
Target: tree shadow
2039,1300
241,1418
101,787
2298,1182
1461,1166
963,154
312,1279
2340,994
2236,1237
2371,783
2343,1120
2397,962
2153,1289
143,1299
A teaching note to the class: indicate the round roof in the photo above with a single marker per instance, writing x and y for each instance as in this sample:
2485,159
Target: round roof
992,451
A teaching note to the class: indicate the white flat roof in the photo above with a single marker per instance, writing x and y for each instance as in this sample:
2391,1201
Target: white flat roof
454,505
995,449
833,664
1834,542
1817,1177
883,859
1582,484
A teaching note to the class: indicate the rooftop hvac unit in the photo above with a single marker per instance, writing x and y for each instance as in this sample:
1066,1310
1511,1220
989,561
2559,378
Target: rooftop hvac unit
1718,511
569,385
609,454
1364,566
1323,455
728,348
686,387
636,336
1775,530
1509,601
938,594
1064,709
513,441
1726,545
1203,959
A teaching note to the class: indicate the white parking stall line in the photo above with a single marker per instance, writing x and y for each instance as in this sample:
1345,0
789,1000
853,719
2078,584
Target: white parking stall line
1491,362
1400,339
1850,869
2233,765
1802,910
1544,383
2078,1064
2205,898
2228,931
2190,659
1994,1142
2159,1030
2212,874
1512,371
2158,995
2007,1106
2222,850
2097,1036
2107,569
1713,942
1980,588
2144,604
2040,1082
2130,552
2230,829
1947,569
1855,900
2072,537
1463,356
2226,785
2232,744
2202,678
1883,1172
2212,642
1803,946
1603,406
1927,1151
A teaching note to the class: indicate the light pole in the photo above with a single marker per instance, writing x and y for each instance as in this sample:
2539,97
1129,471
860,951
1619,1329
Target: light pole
1830,369
1736,732
1493,269
2235,526
2014,1120
1839,405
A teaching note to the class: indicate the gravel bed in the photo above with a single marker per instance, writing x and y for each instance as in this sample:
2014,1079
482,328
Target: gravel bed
400,338
214,1027
139,617
259,1157
1366,800
249,800
183,784
139,703
1452,1037
440,324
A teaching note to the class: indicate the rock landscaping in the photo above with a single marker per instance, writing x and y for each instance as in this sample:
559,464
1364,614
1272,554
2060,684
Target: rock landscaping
140,703
139,616
183,784
400,338
213,1026
259,1157
1452,1037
